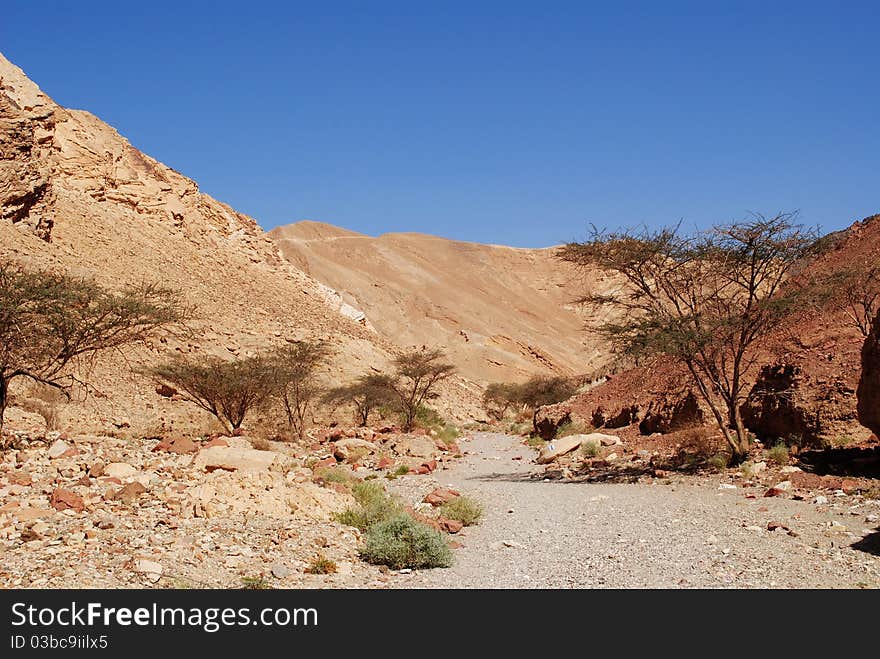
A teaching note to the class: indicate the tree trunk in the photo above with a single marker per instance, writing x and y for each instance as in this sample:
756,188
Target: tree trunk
4,394
742,435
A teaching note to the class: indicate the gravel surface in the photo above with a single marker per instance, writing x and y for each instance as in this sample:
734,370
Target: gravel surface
688,533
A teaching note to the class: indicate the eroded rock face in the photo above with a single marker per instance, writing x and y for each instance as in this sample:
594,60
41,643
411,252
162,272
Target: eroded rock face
669,415
869,383
788,404
27,129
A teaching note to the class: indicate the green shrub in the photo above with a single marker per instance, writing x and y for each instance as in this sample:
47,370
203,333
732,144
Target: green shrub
463,509
255,583
448,434
536,442
720,461
336,475
402,542
590,449
778,454
374,506
399,470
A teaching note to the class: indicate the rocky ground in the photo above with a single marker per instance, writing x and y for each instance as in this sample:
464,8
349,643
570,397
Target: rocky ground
670,532
97,511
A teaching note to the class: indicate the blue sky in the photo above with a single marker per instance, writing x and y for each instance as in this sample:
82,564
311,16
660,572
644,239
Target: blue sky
504,122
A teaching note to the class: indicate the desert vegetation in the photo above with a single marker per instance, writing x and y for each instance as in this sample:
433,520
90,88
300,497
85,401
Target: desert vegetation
707,300
501,397
293,374
228,389
417,374
367,394
52,325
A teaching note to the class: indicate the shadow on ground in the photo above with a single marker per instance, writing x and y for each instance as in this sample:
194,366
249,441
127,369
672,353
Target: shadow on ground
870,544
858,461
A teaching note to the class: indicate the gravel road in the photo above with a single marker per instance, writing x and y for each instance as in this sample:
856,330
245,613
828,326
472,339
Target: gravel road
691,534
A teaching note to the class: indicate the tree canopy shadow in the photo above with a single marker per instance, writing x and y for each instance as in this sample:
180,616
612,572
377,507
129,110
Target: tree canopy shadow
870,544
853,461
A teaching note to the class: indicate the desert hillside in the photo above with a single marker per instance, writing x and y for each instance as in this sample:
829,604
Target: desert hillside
75,195
502,313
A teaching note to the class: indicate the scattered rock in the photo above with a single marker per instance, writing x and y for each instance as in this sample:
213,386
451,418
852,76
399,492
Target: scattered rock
347,449
65,499
279,571
727,486
440,495
821,500
234,459
790,469
773,526
150,569
416,446
129,493
558,447
59,448
450,525
179,445
120,470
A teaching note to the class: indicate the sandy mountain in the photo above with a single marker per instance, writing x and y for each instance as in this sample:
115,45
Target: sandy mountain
502,313
75,195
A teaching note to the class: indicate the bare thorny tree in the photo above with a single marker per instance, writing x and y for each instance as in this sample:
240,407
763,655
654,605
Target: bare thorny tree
857,295
294,374
52,325
706,300
416,376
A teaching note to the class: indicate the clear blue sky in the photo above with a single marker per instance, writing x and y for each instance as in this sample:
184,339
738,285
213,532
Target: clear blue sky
505,122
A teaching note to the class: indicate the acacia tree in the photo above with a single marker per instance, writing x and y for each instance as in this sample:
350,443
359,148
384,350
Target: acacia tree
855,292
498,397
52,324
295,381
416,376
706,300
367,393
228,389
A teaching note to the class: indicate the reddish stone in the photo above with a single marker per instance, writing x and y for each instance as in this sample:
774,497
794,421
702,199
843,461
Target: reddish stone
111,479
431,465
454,544
182,446
772,526
454,448
215,441
64,499
326,462
384,462
129,493
774,492
805,480
96,469
85,481
440,496
421,470
69,453
450,525
20,478
339,487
